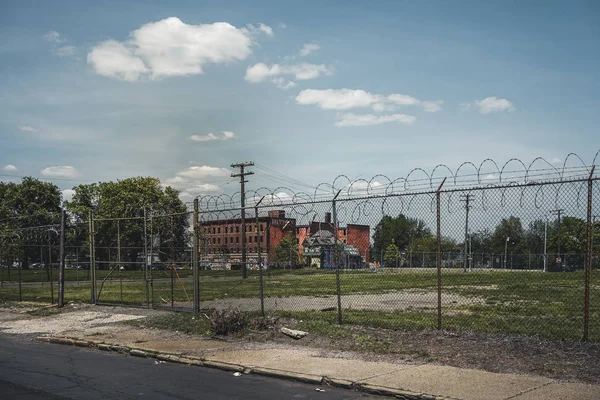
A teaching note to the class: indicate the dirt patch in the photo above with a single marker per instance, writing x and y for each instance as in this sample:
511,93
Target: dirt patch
410,299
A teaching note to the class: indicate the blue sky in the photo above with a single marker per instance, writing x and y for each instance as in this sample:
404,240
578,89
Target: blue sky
97,91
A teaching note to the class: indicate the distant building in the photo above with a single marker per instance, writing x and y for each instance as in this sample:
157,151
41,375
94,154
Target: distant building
221,240
323,250
355,235
221,243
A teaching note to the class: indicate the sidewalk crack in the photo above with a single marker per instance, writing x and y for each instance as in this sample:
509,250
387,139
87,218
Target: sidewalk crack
530,390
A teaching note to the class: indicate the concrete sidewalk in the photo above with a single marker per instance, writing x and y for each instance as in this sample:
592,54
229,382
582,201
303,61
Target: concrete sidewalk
407,381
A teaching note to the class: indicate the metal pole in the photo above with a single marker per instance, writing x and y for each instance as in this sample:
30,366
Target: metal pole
260,264
49,270
119,260
546,245
588,259
172,264
337,264
196,272
439,254
92,257
61,267
146,259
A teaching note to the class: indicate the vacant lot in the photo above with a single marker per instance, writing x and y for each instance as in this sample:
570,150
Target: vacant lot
527,302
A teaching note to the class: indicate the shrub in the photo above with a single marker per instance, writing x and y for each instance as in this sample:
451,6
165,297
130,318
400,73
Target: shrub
226,322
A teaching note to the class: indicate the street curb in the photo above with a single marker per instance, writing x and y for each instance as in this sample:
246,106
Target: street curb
313,379
196,361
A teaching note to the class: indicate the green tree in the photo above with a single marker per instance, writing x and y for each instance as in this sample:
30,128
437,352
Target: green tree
167,220
481,241
428,244
400,230
508,230
392,255
27,211
287,250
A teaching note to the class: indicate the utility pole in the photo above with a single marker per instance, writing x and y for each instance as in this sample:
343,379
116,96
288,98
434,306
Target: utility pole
242,174
467,200
558,212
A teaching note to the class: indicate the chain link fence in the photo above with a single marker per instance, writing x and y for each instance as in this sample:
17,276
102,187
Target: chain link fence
481,252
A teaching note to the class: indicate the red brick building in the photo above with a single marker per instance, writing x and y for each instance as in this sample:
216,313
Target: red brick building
221,244
221,240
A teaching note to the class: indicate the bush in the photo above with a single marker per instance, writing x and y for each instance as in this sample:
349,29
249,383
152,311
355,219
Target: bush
226,322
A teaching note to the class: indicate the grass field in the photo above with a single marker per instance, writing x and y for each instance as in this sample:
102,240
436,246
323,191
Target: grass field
526,302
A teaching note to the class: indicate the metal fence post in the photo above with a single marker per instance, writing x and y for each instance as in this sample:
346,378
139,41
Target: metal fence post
336,261
196,272
260,263
588,258
92,257
146,258
61,260
439,255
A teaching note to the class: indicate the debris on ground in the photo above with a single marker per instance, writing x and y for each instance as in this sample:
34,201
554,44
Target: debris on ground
293,333
237,374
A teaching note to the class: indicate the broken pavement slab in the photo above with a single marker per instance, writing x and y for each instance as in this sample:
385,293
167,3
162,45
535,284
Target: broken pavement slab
295,334
466,384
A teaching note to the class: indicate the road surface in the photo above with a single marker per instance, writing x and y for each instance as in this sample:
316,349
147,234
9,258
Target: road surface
34,371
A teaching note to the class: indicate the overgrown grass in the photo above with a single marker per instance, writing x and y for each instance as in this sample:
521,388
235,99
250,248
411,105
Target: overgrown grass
189,323
524,302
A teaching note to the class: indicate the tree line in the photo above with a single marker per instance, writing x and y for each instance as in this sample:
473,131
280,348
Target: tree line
30,213
397,235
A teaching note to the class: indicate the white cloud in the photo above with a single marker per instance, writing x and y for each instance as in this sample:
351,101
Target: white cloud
345,99
555,160
225,135
305,71
9,168
490,177
309,48
336,99
192,181
65,51
53,37
361,185
266,29
282,25
27,128
349,119
114,60
67,194
202,172
169,48
62,171
489,105
283,83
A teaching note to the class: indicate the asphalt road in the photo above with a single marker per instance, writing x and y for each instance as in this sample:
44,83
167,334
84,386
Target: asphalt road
34,371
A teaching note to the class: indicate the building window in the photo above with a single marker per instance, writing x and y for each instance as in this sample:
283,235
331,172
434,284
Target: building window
225,229
262,227
219,230
214,230
237,239
261,239
237,229
219,240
